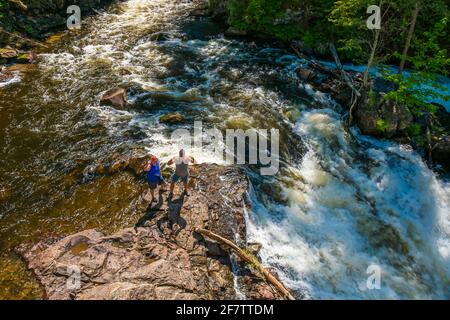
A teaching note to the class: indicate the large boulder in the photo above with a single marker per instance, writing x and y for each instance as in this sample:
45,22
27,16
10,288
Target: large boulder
441,152
161,257
385,119
115,97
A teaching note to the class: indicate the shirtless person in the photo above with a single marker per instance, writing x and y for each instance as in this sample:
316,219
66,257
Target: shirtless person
181,171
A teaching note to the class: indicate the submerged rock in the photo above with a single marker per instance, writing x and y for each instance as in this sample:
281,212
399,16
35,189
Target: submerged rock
172,117
115,97
161,257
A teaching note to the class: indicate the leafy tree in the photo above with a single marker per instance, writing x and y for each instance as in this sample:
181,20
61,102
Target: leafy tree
430,59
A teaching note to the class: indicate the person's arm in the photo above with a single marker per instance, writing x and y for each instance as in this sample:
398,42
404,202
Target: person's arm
170,162
193,160
147,167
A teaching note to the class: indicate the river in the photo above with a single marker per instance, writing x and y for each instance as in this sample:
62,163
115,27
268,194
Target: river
340,202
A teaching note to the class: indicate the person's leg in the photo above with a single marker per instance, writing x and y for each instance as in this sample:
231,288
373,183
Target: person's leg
162,185
185,183
152,191
172,185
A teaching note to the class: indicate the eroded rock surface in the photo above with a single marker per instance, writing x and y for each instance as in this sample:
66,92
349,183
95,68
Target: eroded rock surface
160,257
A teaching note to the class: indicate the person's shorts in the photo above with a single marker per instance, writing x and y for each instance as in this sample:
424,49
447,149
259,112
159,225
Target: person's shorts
175,178
154,185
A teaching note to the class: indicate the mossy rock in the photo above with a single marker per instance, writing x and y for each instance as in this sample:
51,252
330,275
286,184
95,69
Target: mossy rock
172,117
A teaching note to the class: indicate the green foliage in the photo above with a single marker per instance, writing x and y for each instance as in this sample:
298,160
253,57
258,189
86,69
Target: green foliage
272,17
349,21
414,130
419,140
381,125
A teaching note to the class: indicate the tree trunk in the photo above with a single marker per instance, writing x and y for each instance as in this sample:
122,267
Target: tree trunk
371,58
408,38
250,259
335,56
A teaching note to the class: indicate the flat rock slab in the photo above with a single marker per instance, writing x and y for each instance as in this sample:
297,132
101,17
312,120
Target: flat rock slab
160,257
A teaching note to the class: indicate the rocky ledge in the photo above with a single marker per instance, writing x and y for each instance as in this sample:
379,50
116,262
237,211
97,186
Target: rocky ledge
161,257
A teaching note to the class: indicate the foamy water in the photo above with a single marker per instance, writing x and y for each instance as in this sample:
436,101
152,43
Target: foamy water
363,202
351,201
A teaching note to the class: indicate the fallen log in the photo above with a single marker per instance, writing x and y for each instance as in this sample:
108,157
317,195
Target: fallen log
250,259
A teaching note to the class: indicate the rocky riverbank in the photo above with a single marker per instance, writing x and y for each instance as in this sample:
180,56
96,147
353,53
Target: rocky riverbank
25,20
23,26
160,257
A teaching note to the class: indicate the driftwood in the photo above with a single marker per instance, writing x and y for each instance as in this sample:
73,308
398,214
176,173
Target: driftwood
20,4
348,80
250,259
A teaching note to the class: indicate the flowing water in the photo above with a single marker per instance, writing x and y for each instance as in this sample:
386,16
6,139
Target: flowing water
340,202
